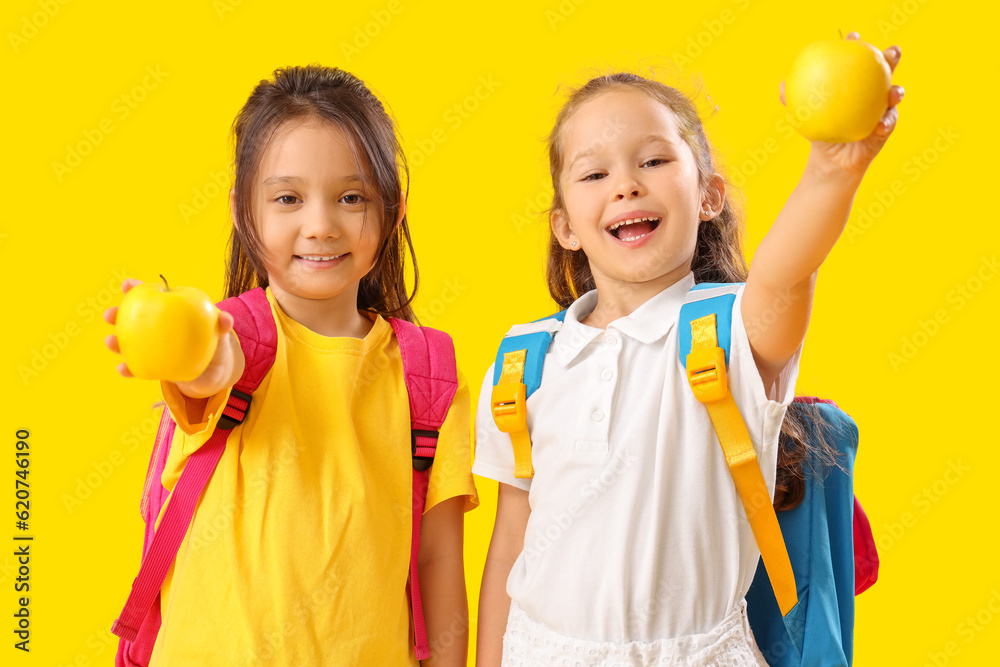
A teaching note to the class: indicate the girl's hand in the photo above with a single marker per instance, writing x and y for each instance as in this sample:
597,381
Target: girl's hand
853,158
216,376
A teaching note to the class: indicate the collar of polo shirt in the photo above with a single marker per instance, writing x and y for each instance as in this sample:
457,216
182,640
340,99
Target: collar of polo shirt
647,324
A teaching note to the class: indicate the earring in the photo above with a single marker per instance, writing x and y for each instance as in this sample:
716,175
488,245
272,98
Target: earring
573,244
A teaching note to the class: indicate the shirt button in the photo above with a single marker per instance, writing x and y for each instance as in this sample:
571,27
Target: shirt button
606,374
610,340
597,416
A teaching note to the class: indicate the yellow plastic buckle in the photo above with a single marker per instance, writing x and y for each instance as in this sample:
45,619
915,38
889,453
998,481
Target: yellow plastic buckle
706,370
508,404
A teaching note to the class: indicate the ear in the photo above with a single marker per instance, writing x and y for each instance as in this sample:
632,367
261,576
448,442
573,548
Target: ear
559,222
713,198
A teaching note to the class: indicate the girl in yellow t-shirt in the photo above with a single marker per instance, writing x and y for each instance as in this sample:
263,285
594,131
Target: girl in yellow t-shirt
298,553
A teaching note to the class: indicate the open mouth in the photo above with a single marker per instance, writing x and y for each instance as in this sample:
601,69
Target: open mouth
634,228
319,262
320,258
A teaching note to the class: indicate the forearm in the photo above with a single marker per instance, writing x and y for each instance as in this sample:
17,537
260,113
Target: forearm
494,607
446,611
223,372
806,229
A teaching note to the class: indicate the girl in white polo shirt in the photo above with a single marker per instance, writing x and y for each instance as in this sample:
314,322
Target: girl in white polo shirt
630,546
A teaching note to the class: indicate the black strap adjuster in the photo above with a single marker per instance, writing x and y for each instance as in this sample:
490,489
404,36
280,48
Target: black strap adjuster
226,422
421,463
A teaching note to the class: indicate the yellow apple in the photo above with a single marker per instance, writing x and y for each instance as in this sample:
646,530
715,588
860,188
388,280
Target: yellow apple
837,90
167,333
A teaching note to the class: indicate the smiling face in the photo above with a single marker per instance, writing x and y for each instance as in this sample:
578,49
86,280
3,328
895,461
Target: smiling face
310,204
632,200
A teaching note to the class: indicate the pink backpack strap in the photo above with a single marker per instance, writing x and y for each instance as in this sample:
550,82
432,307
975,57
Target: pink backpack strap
139,621
431,378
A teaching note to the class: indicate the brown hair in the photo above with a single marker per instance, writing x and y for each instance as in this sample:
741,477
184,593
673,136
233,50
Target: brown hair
332,95
718,257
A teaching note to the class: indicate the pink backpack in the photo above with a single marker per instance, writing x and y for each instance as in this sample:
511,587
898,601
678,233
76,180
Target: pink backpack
431,380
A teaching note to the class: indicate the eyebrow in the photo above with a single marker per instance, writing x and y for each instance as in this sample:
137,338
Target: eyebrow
659,137
298,180
598,145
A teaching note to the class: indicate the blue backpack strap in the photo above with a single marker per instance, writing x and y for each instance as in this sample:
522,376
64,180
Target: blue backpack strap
536,344
819,536
701,303
517,374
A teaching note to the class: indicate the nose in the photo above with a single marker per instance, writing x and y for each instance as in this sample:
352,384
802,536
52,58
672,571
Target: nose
320,222
627,186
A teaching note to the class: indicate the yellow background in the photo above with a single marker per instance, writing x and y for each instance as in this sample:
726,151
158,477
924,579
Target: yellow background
149,93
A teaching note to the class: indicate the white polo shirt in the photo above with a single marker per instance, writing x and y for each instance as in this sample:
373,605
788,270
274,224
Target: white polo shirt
636,531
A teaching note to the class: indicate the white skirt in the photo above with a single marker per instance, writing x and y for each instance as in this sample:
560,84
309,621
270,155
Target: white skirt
528,643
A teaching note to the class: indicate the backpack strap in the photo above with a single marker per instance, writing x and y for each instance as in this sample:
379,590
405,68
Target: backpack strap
517,373
702,324
256,330
431,378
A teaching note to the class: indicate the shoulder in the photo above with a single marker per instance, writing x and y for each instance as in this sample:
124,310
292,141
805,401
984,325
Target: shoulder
704,291
550,324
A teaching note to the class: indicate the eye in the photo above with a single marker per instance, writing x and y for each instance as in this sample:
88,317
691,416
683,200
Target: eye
657,160
287,200
596,176
352,199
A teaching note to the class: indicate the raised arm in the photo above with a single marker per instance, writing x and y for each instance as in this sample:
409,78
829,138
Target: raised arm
778,297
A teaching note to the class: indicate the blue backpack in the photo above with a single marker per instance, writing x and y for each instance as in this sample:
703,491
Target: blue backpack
827,542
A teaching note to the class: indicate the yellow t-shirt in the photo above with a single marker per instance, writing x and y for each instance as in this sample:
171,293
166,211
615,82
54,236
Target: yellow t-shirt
299,550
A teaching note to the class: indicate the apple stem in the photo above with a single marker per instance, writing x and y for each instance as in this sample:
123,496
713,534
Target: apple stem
165,282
